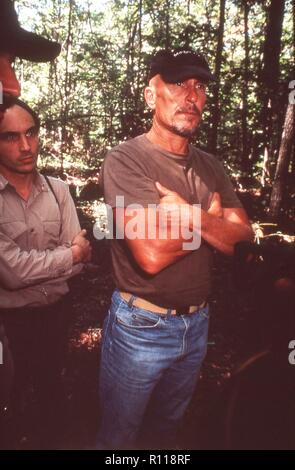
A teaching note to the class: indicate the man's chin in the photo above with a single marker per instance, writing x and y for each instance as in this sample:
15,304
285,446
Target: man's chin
26,170
184,131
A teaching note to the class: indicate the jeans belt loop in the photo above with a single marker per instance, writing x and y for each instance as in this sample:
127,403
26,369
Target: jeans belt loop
130,301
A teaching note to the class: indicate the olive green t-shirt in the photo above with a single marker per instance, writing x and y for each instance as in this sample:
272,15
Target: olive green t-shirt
131,170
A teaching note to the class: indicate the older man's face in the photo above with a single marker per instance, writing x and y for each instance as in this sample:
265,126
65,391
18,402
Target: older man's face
8,81
178,107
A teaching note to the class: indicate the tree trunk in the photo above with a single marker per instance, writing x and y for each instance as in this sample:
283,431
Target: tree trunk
245,147
188,27
167,26
293,8
67,87
281,174
216,90
138,90
293,164
271,70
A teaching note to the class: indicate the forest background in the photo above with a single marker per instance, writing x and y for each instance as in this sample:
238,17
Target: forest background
91,97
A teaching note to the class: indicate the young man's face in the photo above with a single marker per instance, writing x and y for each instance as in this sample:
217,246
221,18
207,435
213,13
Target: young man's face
19,142
178,107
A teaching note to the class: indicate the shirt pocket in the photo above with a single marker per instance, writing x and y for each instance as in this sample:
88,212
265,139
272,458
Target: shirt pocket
51,233
16,230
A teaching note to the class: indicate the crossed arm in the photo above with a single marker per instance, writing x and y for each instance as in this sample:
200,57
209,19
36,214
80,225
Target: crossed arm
220,228
20,268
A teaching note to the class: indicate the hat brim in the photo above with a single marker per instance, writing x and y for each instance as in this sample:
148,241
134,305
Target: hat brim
29,46
174,75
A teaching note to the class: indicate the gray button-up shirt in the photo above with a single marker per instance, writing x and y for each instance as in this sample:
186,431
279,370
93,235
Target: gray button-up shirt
35,238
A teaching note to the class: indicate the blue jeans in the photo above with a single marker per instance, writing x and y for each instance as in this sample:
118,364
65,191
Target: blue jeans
149,368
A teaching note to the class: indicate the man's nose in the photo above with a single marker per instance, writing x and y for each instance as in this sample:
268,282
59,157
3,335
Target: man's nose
192,94
24,144
9,82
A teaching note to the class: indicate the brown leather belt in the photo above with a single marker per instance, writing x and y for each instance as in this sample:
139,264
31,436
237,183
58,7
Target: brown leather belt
146,305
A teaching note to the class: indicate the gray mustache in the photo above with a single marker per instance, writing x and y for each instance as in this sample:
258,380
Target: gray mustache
191,109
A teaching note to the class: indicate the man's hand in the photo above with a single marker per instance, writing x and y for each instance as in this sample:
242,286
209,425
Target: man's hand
81,248
215,206
172,206
169,197
176,211
221,228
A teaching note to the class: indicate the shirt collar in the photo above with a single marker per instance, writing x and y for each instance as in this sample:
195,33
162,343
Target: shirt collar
39,182
3,183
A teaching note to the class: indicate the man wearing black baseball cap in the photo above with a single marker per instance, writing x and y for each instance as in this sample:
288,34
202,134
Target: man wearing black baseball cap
155,335
180,66
15,42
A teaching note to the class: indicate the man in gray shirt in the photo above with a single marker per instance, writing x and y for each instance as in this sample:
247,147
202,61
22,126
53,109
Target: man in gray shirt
41,246
155,335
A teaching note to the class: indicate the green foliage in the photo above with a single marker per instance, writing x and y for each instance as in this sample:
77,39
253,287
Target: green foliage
91,97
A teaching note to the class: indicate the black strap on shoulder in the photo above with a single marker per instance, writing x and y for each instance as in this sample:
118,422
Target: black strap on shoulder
52,190
55,197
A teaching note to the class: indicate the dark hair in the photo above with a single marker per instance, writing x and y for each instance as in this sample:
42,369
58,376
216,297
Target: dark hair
10,101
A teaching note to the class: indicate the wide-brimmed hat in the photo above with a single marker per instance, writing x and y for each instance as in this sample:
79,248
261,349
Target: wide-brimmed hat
179,66
21,43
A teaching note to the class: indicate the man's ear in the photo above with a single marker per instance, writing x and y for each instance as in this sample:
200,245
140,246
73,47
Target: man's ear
150,97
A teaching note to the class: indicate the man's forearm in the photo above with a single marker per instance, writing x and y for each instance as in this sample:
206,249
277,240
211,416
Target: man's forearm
19,268
167,243
153,255
222,233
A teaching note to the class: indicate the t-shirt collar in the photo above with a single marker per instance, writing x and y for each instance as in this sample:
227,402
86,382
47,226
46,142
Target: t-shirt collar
181,159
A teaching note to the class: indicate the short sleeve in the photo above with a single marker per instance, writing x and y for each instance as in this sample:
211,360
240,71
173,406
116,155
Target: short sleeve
125,176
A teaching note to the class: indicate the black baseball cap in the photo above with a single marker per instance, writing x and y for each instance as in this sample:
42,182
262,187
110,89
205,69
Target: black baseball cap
178,66
21,43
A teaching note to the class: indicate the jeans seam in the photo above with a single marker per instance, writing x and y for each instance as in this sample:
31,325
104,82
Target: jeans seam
111,325
184,335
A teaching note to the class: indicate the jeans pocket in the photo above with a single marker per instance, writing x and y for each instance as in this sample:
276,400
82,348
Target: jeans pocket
136,318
